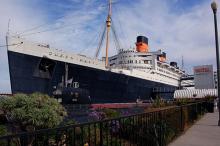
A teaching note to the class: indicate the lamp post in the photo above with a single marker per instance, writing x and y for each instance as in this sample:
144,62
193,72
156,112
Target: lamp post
214,8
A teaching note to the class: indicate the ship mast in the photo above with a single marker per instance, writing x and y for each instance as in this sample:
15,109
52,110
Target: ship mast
108,25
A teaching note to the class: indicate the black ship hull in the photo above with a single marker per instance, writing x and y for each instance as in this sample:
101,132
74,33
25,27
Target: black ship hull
28,75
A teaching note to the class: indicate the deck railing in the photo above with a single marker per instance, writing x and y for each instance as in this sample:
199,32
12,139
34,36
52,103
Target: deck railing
155,128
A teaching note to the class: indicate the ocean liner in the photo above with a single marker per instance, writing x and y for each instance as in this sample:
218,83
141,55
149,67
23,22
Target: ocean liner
73,78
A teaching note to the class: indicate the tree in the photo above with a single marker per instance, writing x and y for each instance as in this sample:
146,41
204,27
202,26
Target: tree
31,112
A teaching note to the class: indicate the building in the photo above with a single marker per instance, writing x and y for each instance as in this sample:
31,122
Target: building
204,77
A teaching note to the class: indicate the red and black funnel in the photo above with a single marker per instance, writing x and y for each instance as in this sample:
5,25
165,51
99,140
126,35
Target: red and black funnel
142,44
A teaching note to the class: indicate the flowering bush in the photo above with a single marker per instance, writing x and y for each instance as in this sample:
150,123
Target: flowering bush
125,113
97,115
102,114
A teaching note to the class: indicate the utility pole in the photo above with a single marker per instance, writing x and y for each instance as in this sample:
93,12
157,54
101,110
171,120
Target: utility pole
214,8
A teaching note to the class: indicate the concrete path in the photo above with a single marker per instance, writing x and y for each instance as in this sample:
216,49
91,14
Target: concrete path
205,132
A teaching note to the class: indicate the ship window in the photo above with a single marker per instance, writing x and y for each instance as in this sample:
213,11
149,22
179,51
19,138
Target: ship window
142,55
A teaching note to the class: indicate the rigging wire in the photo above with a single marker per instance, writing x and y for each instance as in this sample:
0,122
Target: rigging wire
31,29
1,46
115,36
115,39
100,43
51,29
118,14
41,25
38,26
115,46
94,39
25,33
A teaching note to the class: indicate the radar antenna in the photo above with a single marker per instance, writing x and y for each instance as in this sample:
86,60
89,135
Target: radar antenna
8,26
182,67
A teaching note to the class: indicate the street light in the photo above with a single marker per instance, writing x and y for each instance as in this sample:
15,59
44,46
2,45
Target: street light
214,8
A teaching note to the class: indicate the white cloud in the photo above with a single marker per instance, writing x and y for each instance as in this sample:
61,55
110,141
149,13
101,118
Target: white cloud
20,17
181,33
188,33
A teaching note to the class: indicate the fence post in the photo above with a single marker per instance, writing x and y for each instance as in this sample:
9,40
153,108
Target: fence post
101,135
181,118
196,112
200,109
161,128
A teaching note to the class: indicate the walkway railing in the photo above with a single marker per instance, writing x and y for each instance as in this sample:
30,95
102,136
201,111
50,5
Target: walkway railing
156,128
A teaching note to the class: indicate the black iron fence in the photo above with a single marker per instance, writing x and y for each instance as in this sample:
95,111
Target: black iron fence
155,128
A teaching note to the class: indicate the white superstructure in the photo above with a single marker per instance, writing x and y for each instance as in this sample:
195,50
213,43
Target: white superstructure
147,66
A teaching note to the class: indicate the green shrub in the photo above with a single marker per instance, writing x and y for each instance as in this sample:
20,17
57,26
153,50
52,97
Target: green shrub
111,113
3,130
69,122
210,98
182,101
158,102
34,111
31,112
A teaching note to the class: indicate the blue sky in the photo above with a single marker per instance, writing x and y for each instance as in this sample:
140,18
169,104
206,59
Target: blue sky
178,27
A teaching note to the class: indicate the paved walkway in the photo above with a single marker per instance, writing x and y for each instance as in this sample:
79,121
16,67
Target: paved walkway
205,132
